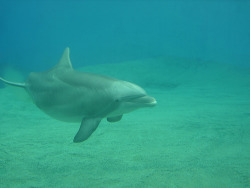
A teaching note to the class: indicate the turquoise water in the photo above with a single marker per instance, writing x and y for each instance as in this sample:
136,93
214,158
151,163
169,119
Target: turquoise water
193,57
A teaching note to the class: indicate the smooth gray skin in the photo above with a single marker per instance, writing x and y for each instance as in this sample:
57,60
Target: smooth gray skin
72,96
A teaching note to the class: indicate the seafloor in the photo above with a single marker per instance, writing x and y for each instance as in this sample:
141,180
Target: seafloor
197,136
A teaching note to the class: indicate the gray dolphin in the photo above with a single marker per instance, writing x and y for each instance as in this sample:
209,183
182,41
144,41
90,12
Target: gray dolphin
72,96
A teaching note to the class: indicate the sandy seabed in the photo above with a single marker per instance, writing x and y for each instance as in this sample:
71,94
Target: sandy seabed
197,136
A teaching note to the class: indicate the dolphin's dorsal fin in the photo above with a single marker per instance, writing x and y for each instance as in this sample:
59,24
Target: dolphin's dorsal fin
65,62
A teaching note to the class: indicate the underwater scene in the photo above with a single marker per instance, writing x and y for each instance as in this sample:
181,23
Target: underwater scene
124,93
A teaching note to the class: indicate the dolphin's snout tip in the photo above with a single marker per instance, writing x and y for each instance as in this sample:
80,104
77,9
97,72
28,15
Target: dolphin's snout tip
154,102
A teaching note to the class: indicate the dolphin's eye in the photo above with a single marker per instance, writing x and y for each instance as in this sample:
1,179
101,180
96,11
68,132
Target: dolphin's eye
117,100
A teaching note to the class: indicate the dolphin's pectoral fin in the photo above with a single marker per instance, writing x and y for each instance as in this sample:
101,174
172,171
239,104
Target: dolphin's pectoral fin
114,119
87,127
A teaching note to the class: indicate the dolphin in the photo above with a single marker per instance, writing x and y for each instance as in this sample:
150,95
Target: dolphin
68,95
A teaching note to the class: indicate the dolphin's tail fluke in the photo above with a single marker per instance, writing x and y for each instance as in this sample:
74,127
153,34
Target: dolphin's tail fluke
13,83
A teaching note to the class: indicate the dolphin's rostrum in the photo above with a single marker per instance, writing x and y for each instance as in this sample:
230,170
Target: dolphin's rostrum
72,96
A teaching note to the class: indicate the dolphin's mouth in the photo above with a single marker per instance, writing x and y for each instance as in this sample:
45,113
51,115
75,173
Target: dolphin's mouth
147,100
142,99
